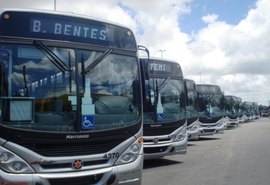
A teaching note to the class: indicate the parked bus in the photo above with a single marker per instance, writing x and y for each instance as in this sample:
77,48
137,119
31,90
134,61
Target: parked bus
247,107
192,110
70,100
211,106
255,109
239,108
264,111
164,103
242,117
232,110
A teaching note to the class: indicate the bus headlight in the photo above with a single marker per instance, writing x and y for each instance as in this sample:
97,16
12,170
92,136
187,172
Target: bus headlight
220,123
193,127
131,153
127,157
135,148
12,163
4,156
182,134
18,166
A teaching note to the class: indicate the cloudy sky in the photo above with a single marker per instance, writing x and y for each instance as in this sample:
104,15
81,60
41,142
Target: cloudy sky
223,42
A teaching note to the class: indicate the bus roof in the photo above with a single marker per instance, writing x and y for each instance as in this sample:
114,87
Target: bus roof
62,26
208,88
234,98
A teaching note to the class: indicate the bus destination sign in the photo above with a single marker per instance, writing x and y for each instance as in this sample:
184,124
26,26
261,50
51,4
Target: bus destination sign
155,67
37,25
73,29
160,68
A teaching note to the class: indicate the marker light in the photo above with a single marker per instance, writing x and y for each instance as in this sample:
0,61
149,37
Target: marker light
4,156
182,134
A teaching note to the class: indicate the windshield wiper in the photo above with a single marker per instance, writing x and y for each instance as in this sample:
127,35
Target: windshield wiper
162,84
97,61
51,56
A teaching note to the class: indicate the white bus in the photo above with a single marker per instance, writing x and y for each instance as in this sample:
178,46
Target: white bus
232,110
164,104
248,112
192,110
211,109
256,111
70,101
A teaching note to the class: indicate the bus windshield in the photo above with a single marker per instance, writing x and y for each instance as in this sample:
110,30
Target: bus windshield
170,100
232,105
210,104
48,88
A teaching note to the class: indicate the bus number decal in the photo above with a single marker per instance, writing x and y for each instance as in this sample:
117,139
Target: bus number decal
111,155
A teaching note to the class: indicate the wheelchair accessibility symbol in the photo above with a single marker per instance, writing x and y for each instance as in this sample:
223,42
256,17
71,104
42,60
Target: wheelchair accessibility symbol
88,122
160,116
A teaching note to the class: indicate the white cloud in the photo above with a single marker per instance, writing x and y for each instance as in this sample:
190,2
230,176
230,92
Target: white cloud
241,51
210,18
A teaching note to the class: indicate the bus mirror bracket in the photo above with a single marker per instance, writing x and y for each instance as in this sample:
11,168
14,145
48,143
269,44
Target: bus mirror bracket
143,48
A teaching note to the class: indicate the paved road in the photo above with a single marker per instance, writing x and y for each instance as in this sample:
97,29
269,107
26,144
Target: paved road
240,156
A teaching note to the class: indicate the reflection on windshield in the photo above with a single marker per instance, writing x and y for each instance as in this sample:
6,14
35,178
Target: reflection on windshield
210,104
37,94
169,102
232,106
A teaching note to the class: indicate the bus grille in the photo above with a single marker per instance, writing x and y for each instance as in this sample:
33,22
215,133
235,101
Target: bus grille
150,150
210,119
159,140
68,165
158,131
87,180
233,116
208,130
208,125
73,149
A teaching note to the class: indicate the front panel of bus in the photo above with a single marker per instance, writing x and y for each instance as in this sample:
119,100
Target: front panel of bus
210,109
70,101
164,109
232,110
247,108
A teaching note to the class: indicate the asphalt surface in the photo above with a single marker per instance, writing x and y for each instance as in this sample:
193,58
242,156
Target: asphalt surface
240,156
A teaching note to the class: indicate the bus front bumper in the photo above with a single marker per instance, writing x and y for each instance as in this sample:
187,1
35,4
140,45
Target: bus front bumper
214,128
208,131
193,131
127,174
233,122
154,151
194,135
